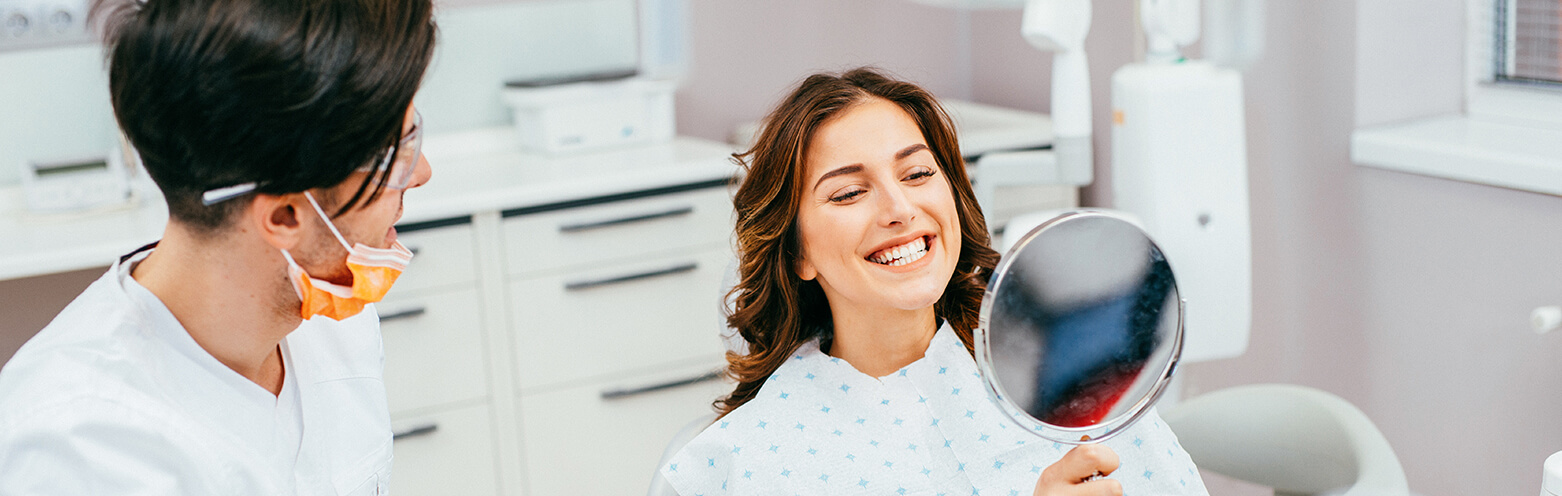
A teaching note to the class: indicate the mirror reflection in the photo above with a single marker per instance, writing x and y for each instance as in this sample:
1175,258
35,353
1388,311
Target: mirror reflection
1081,326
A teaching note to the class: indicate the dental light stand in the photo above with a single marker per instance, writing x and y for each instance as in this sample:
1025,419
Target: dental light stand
1057,26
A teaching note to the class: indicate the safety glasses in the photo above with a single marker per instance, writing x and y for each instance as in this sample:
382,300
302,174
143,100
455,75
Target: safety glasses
401,160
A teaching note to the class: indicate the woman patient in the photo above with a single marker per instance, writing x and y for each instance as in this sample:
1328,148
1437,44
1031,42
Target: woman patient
863,258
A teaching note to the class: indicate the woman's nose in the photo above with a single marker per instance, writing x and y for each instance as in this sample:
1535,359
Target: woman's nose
895,207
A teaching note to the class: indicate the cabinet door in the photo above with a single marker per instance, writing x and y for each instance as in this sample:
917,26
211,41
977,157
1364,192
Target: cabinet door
578,443
617,232
433,349
623,318
451,452
444,256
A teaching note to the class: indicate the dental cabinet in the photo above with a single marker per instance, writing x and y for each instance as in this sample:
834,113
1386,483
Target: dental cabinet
559,323
562,324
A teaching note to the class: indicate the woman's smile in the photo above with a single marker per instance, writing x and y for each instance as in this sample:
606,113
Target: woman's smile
904,254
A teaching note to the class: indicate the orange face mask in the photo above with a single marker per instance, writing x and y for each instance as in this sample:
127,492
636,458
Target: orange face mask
374,271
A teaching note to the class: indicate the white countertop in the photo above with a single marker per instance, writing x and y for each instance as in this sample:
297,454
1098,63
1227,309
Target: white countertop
474,171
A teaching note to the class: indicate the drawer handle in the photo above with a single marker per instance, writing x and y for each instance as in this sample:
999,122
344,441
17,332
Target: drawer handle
404,314
613,394
415,431
592,283
598,224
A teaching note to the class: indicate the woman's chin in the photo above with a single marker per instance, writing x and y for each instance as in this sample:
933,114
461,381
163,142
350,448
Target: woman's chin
914,300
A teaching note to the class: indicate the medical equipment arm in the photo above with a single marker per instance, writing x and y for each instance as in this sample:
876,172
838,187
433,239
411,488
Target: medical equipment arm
1060,26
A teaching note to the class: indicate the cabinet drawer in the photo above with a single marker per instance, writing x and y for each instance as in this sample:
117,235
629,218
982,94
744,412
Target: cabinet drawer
444,256
433,349
626,230
445,453
620,318
577,443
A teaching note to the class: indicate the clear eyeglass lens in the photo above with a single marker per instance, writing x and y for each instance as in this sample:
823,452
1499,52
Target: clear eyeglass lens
407,156
405,163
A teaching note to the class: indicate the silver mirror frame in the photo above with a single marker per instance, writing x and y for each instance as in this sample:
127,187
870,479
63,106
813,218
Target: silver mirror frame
1068,435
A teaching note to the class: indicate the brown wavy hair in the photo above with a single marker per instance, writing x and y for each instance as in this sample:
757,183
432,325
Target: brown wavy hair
773,309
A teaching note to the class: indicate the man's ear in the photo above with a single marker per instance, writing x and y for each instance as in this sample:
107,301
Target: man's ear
276,219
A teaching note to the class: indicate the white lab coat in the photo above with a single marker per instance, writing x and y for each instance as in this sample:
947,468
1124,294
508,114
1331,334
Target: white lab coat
818,426
115,398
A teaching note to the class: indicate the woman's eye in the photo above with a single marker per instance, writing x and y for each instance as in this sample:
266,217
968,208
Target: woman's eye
846,196
919,175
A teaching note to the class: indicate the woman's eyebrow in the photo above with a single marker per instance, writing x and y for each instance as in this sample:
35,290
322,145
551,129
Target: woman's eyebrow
855,168
843,170
907,151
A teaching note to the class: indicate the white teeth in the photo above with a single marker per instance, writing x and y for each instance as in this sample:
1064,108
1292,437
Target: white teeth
903,254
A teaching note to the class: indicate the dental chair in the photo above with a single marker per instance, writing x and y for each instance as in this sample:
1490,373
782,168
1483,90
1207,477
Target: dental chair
1297,440
659,484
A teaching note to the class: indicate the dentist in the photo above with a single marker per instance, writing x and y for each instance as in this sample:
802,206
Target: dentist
240,354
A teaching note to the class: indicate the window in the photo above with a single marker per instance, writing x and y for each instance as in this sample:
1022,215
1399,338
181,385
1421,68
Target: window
1514,61
1510,133
1526,42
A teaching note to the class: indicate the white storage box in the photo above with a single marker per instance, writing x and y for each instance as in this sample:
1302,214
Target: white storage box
582,116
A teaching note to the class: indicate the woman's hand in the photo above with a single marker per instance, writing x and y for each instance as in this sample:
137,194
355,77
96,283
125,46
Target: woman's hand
1071,475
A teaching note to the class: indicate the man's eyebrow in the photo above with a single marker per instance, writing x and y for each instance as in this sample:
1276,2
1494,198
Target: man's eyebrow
849,169
907,151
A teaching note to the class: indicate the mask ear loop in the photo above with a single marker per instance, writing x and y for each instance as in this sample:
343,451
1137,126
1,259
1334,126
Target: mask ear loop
327,220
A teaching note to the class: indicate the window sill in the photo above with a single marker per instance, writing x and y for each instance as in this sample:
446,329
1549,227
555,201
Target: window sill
1456,147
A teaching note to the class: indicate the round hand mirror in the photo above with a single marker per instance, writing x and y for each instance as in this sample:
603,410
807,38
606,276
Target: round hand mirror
1081,328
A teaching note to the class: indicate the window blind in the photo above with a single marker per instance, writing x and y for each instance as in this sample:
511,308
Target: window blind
1528,42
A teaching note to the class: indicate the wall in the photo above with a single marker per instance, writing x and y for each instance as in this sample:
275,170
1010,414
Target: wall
749,53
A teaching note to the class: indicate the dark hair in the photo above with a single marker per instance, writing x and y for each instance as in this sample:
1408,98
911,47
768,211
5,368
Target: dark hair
773,309
290,94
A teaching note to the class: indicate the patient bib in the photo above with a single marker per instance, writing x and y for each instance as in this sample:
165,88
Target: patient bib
818,426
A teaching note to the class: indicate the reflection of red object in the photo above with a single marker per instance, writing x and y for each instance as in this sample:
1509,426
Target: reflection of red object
1090,402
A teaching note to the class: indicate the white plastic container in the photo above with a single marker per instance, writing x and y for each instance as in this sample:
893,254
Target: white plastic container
1179,163
575,117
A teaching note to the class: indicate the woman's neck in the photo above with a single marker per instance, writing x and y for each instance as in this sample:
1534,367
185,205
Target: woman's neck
880,343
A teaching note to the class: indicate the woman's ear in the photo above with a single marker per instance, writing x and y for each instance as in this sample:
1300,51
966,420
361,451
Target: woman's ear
805,270
276,219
